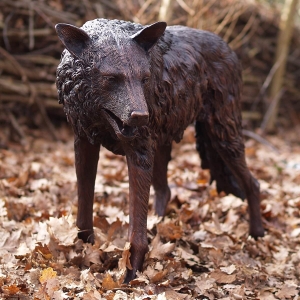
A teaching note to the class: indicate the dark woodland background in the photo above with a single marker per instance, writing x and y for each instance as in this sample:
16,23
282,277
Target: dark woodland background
30,52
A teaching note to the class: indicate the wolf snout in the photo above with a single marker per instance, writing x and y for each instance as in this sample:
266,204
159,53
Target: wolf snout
138,118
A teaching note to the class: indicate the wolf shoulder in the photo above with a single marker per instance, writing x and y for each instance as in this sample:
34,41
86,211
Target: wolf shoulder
205,43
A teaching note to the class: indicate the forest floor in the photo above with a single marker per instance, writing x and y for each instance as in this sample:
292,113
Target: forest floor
200,250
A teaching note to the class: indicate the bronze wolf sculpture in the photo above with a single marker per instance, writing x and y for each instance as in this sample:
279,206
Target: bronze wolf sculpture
134,89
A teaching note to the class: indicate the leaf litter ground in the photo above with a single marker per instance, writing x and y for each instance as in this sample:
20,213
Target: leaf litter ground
200,250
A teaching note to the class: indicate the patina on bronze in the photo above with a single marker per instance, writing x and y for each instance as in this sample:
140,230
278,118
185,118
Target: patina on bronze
134,89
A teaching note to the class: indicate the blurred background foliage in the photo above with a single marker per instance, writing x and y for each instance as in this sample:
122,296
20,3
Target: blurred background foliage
30,52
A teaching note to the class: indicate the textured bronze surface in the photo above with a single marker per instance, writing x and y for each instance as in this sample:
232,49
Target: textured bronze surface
134,89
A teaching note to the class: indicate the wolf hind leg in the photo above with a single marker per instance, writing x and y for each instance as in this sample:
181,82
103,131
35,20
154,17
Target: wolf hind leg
230,149
210,159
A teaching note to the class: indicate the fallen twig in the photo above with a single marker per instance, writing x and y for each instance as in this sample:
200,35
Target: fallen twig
259,139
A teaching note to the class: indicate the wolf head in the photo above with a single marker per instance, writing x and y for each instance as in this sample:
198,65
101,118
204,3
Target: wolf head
109,60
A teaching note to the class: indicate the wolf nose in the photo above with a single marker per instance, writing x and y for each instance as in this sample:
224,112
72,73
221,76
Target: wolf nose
138,118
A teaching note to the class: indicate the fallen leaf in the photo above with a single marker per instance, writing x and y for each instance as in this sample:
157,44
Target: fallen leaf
188,257
159,276
266,295
204,284
124,262
47,274
43,249
287,291
222,277
159,250
169,231
63,229
108,283
10,289
93,295
92,255
228,270
172,295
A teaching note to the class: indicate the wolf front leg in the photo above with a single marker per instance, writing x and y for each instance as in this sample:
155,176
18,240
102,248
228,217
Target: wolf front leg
160,178
140,168
86,160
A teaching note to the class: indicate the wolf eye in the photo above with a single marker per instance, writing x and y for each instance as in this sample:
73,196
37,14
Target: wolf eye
109,79
145,80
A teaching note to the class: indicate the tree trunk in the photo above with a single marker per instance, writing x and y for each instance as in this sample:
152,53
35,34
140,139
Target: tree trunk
165,11
283,42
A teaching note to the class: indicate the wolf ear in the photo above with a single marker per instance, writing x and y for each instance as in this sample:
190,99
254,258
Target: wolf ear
74,39
148,36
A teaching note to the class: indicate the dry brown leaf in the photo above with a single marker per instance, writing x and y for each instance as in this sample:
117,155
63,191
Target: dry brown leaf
203,181
10,289
169,231
108,283
159,250
92,295
266,295
222,277
152,221
281,254
47,274
222,242
92,255
125,260
204,284
51,286
172,295
39,184
216,256
287,291
231,202
139,280
22,178
213,193
187,257
241,230
16,210
215,226
185,214
102,223
43,249
120,295
63,229
113,228
231,220
165,283
228,270
159,276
